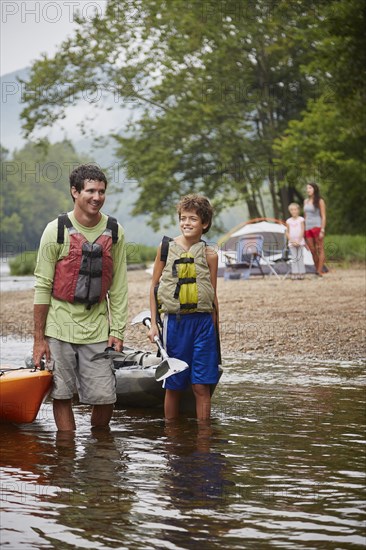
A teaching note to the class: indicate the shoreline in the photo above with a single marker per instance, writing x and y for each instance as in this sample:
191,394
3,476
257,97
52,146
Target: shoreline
315,319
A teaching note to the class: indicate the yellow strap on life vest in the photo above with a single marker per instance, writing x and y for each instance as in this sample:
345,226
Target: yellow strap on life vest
189,291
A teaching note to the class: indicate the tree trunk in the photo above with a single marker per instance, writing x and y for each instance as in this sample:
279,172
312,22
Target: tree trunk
287,195
264,215
252,208
250,199
272,190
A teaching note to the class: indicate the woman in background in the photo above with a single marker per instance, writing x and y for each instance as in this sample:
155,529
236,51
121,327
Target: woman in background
315,221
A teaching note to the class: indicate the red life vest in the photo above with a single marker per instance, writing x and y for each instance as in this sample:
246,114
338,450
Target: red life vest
85,274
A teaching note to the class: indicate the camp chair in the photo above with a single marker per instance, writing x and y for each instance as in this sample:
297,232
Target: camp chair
278,260
251,248
249,254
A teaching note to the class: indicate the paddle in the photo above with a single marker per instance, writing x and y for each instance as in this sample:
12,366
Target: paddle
108,352
169,365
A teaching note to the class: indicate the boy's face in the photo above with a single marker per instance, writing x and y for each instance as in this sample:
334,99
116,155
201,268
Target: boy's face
191,224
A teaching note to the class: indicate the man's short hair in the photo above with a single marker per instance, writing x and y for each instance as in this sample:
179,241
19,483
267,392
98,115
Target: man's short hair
198,204
86,172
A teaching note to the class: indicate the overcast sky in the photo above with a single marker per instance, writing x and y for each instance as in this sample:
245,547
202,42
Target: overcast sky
29,28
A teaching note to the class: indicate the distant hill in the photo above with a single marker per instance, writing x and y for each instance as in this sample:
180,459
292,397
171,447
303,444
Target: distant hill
112,117
119,204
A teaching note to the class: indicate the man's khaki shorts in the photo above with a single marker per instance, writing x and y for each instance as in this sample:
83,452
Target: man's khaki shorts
73,371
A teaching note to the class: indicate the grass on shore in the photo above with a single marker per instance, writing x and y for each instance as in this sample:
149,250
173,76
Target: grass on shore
25,263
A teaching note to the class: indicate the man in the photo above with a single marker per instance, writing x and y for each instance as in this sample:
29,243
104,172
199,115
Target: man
80,304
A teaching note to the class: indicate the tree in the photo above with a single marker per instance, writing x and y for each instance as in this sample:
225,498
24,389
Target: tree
328,142
215,84
35,189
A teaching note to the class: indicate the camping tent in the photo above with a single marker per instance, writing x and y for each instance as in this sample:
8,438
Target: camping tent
274,240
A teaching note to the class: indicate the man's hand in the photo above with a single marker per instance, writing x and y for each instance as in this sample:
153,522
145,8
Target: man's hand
116,343
40,349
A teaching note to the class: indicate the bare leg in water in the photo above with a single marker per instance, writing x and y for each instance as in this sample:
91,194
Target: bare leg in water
203,400
65,420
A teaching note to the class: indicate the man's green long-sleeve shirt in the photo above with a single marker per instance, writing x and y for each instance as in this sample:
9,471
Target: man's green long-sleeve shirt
74,322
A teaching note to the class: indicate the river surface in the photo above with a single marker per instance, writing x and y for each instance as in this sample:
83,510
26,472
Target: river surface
13,282
281,466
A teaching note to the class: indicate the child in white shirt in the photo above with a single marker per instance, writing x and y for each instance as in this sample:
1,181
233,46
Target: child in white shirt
295,229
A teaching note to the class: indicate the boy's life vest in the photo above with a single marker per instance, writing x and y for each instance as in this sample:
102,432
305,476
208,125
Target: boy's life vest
85,274
185,285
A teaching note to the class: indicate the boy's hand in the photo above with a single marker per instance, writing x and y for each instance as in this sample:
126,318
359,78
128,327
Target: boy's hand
154,331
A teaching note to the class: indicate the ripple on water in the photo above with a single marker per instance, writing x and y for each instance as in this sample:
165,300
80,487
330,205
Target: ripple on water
281,464
299,373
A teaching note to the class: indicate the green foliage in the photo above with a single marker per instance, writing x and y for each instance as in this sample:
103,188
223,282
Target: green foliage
345,248
328,143
23,264
34,189
140,253
217,84
235,99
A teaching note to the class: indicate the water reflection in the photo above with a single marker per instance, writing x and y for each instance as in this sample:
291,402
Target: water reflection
195,474
94,501
282,464
73,480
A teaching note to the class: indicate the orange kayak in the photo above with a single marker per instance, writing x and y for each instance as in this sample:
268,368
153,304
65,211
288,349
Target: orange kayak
21,394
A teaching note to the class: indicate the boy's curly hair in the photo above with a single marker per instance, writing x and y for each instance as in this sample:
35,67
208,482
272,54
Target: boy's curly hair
198,204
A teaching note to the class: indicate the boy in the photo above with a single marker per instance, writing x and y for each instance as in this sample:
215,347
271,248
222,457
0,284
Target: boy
185,272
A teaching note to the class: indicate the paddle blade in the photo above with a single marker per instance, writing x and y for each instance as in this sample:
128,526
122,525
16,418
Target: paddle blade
168,367
108,352
140,318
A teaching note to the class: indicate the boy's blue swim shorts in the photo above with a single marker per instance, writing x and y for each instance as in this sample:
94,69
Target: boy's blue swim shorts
191,337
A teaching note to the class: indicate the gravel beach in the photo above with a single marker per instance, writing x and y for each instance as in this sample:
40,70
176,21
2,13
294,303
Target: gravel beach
317,318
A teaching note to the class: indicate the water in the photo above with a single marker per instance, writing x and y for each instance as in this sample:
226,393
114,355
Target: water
12,282
282,465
